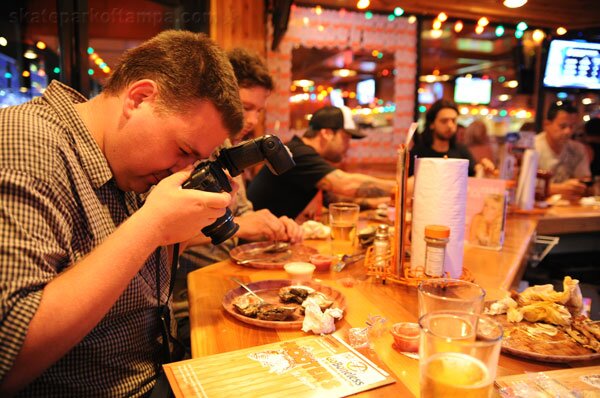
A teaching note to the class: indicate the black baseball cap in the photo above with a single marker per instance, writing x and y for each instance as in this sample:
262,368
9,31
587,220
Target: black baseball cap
335,118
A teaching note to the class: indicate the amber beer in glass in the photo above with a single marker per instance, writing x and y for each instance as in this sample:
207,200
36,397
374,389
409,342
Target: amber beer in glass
343,220
459,354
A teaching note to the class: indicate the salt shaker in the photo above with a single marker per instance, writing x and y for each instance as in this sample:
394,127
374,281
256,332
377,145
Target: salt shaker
436,239
381,246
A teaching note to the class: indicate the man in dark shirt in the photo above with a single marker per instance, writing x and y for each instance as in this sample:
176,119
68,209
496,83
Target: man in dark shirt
439,137
326,140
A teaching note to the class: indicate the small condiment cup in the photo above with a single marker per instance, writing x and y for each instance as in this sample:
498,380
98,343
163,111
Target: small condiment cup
299,271
322,262
406,336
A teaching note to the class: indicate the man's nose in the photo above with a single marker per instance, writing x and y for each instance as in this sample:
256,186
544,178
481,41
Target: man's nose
252,119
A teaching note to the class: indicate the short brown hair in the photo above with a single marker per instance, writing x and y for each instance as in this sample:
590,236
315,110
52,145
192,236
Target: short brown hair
250,70
186,66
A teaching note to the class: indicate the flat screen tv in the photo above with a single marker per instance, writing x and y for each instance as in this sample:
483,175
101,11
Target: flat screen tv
365,91
335,96
472,90
573,64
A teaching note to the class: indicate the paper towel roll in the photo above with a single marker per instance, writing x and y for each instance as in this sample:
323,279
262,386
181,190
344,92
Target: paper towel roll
525,195
440,197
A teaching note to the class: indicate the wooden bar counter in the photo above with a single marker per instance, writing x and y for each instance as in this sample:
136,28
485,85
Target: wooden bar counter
214,331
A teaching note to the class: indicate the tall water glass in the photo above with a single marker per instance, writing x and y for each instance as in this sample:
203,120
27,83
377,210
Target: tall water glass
450,295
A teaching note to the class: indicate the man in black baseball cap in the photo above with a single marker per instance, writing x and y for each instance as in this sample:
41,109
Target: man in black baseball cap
326,141
331,117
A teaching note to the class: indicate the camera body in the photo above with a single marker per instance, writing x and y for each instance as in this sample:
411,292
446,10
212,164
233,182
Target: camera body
210,175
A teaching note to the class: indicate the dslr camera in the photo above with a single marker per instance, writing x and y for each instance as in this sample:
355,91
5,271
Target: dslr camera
210,176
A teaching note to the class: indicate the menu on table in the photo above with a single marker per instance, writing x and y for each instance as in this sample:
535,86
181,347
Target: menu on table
313,366
567,383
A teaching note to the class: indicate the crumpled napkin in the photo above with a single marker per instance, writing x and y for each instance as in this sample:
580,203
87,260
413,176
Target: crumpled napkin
315,230
317,321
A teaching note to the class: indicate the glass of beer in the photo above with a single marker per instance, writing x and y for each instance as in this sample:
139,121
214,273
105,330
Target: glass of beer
458,354
343,220
442,294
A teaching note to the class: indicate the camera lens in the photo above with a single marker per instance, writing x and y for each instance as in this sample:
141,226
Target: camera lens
222,229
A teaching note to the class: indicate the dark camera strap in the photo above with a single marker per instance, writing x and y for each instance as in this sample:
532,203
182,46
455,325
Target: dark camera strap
164,316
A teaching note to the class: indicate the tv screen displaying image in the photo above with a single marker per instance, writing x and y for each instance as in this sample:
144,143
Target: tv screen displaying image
365,91
573,64
472,90
335,96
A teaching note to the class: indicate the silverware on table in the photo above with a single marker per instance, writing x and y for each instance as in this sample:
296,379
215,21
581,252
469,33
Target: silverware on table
273,259
242,284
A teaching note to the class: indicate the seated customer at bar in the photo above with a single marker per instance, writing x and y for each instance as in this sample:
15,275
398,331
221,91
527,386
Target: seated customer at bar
255,85
565,158
438,139
326,141
85,260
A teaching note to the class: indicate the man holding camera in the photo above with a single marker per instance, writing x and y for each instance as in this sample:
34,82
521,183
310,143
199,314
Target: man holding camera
84,266
255,85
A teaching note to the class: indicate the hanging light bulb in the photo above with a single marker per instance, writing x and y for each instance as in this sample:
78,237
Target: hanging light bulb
479,29
483,21
30,54
437,24
362,4
499,30
561,31
522,26
514,3
442,16
538,35
458,26
435,33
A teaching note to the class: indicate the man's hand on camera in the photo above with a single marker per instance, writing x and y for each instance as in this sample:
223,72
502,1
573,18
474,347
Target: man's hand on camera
178,214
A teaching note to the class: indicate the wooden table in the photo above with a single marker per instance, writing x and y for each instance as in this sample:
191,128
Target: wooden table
560,220
213,331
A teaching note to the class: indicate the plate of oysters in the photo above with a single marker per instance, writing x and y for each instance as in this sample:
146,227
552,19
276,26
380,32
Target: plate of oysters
281,307
547,325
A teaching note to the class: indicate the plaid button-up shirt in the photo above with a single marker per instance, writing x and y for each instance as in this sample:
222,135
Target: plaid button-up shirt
58,201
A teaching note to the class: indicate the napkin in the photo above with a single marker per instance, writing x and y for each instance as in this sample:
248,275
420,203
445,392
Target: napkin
317,321
315,230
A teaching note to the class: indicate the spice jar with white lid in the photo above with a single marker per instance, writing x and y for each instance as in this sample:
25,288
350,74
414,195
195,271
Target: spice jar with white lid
436,239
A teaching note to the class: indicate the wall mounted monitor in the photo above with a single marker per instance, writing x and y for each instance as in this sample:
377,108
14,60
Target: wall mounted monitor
365,91
472,90
573,64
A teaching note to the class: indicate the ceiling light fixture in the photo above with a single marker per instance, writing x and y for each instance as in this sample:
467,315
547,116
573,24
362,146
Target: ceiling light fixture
514,3
435,34
303,83
458,26
483,21
30,54
362,4
344,72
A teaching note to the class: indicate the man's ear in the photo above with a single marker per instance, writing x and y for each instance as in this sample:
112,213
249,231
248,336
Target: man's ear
138,93
327,134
